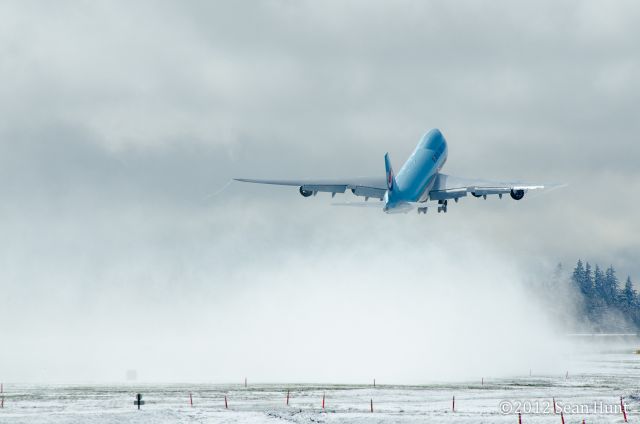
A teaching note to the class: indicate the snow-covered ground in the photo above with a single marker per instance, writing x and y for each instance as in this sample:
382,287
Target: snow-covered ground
592,394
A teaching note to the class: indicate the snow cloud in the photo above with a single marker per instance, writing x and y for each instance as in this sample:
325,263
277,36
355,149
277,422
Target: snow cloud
120,120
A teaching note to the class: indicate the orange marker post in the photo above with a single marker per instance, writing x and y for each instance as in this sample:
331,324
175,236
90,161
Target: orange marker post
624,412
323,401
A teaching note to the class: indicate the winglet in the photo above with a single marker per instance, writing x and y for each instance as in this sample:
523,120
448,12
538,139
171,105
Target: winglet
391,178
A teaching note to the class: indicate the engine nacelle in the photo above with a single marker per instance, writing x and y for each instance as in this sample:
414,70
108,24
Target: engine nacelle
517,194
305,193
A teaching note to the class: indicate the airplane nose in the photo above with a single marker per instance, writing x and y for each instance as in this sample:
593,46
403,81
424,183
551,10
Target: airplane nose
431,138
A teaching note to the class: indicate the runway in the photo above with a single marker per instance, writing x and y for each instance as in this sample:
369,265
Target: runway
592,394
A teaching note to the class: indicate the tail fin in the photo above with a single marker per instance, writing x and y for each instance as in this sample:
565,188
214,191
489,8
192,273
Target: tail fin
391,177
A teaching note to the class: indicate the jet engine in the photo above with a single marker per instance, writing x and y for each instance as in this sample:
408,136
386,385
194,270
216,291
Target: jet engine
305,193
517,194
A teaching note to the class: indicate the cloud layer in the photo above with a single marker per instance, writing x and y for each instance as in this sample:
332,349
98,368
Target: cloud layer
119,121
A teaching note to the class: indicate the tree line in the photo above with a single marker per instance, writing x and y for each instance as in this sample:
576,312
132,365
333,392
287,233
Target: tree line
602,295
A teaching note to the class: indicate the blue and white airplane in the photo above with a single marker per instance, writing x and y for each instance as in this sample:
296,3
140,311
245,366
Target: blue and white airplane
418,182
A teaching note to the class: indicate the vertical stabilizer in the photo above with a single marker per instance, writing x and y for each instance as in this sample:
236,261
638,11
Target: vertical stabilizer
391,177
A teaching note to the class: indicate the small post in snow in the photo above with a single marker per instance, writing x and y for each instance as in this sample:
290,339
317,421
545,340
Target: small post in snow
138,402
624,412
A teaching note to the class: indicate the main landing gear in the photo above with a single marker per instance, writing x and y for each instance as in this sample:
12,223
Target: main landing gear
442,207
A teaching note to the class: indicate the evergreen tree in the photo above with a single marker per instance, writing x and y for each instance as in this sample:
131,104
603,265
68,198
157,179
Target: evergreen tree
602,299
596,307
599,283
557,273
578,276
629,302
610,287
629,297
588,279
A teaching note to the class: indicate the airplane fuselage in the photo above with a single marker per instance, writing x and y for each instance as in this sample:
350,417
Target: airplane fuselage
418,174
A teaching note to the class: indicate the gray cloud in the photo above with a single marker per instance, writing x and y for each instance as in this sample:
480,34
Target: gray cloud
120,120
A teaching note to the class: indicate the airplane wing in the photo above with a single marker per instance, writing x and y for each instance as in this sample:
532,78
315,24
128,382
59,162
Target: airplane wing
451,187
360,186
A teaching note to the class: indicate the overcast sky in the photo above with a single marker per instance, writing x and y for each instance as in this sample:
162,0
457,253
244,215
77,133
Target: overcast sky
120,122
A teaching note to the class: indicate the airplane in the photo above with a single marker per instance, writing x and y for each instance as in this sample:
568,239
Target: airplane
418,182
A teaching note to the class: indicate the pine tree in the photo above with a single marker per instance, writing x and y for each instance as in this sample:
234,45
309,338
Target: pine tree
629,302
578,276
629,297
602,298
596,309
557,273
587,282
610,286
599,283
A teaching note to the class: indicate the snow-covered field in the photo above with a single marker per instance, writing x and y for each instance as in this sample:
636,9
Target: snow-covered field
592,394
